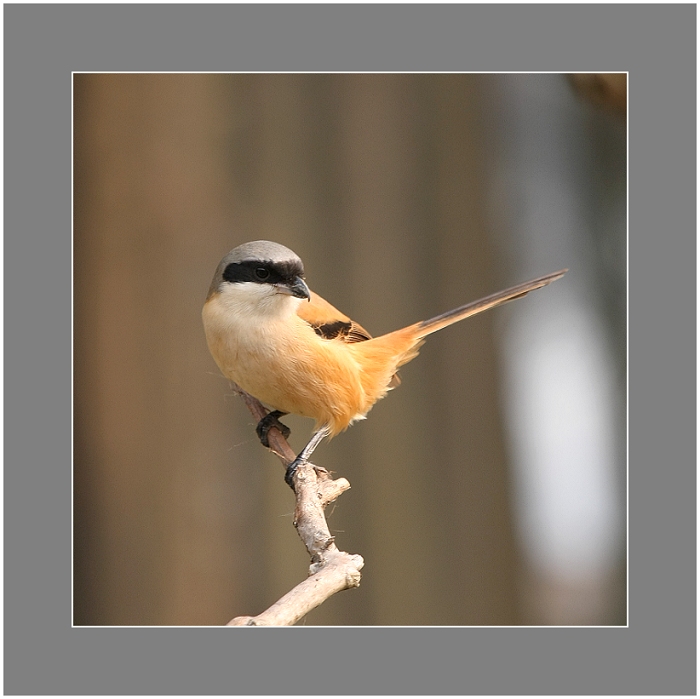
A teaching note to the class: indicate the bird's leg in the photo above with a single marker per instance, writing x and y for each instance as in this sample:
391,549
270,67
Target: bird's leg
267,423
305,453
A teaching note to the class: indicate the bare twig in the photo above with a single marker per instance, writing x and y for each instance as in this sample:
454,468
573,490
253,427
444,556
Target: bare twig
331,570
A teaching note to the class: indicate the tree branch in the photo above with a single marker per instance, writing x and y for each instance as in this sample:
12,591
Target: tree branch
331,570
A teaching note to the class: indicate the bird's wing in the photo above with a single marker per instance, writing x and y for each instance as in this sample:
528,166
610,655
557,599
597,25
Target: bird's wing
328,322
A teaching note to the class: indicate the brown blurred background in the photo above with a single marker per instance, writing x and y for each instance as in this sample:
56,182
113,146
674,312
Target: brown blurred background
489,489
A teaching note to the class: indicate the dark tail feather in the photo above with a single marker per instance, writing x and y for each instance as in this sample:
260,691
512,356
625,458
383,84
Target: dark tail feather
427,327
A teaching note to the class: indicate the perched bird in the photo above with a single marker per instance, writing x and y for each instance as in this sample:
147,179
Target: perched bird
296,353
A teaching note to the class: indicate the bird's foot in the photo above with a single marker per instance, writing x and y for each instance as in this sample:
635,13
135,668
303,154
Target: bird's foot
267,423
292,469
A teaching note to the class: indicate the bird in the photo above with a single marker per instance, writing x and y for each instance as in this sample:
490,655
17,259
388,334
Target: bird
296,353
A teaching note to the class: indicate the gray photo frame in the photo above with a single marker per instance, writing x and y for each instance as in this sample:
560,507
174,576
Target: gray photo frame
655,654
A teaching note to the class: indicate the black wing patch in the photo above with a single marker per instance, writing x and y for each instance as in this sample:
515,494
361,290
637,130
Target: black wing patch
346,331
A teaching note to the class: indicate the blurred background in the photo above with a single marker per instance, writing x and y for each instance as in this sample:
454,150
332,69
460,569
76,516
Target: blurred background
490,487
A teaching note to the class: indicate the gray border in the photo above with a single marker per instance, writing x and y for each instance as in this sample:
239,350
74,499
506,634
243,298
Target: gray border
44,43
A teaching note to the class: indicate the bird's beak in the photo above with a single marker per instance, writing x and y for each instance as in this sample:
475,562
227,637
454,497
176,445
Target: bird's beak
297,287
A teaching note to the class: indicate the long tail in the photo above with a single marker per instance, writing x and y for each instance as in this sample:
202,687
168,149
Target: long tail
427,327
382,356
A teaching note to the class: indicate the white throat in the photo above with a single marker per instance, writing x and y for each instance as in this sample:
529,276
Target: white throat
251,302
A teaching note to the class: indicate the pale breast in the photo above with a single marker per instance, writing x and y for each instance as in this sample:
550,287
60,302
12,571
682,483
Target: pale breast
286,365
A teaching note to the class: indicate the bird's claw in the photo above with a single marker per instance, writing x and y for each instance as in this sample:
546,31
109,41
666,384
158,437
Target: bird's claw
291,470
267,423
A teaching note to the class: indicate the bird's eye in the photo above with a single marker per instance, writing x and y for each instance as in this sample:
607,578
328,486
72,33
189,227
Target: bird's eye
262,273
